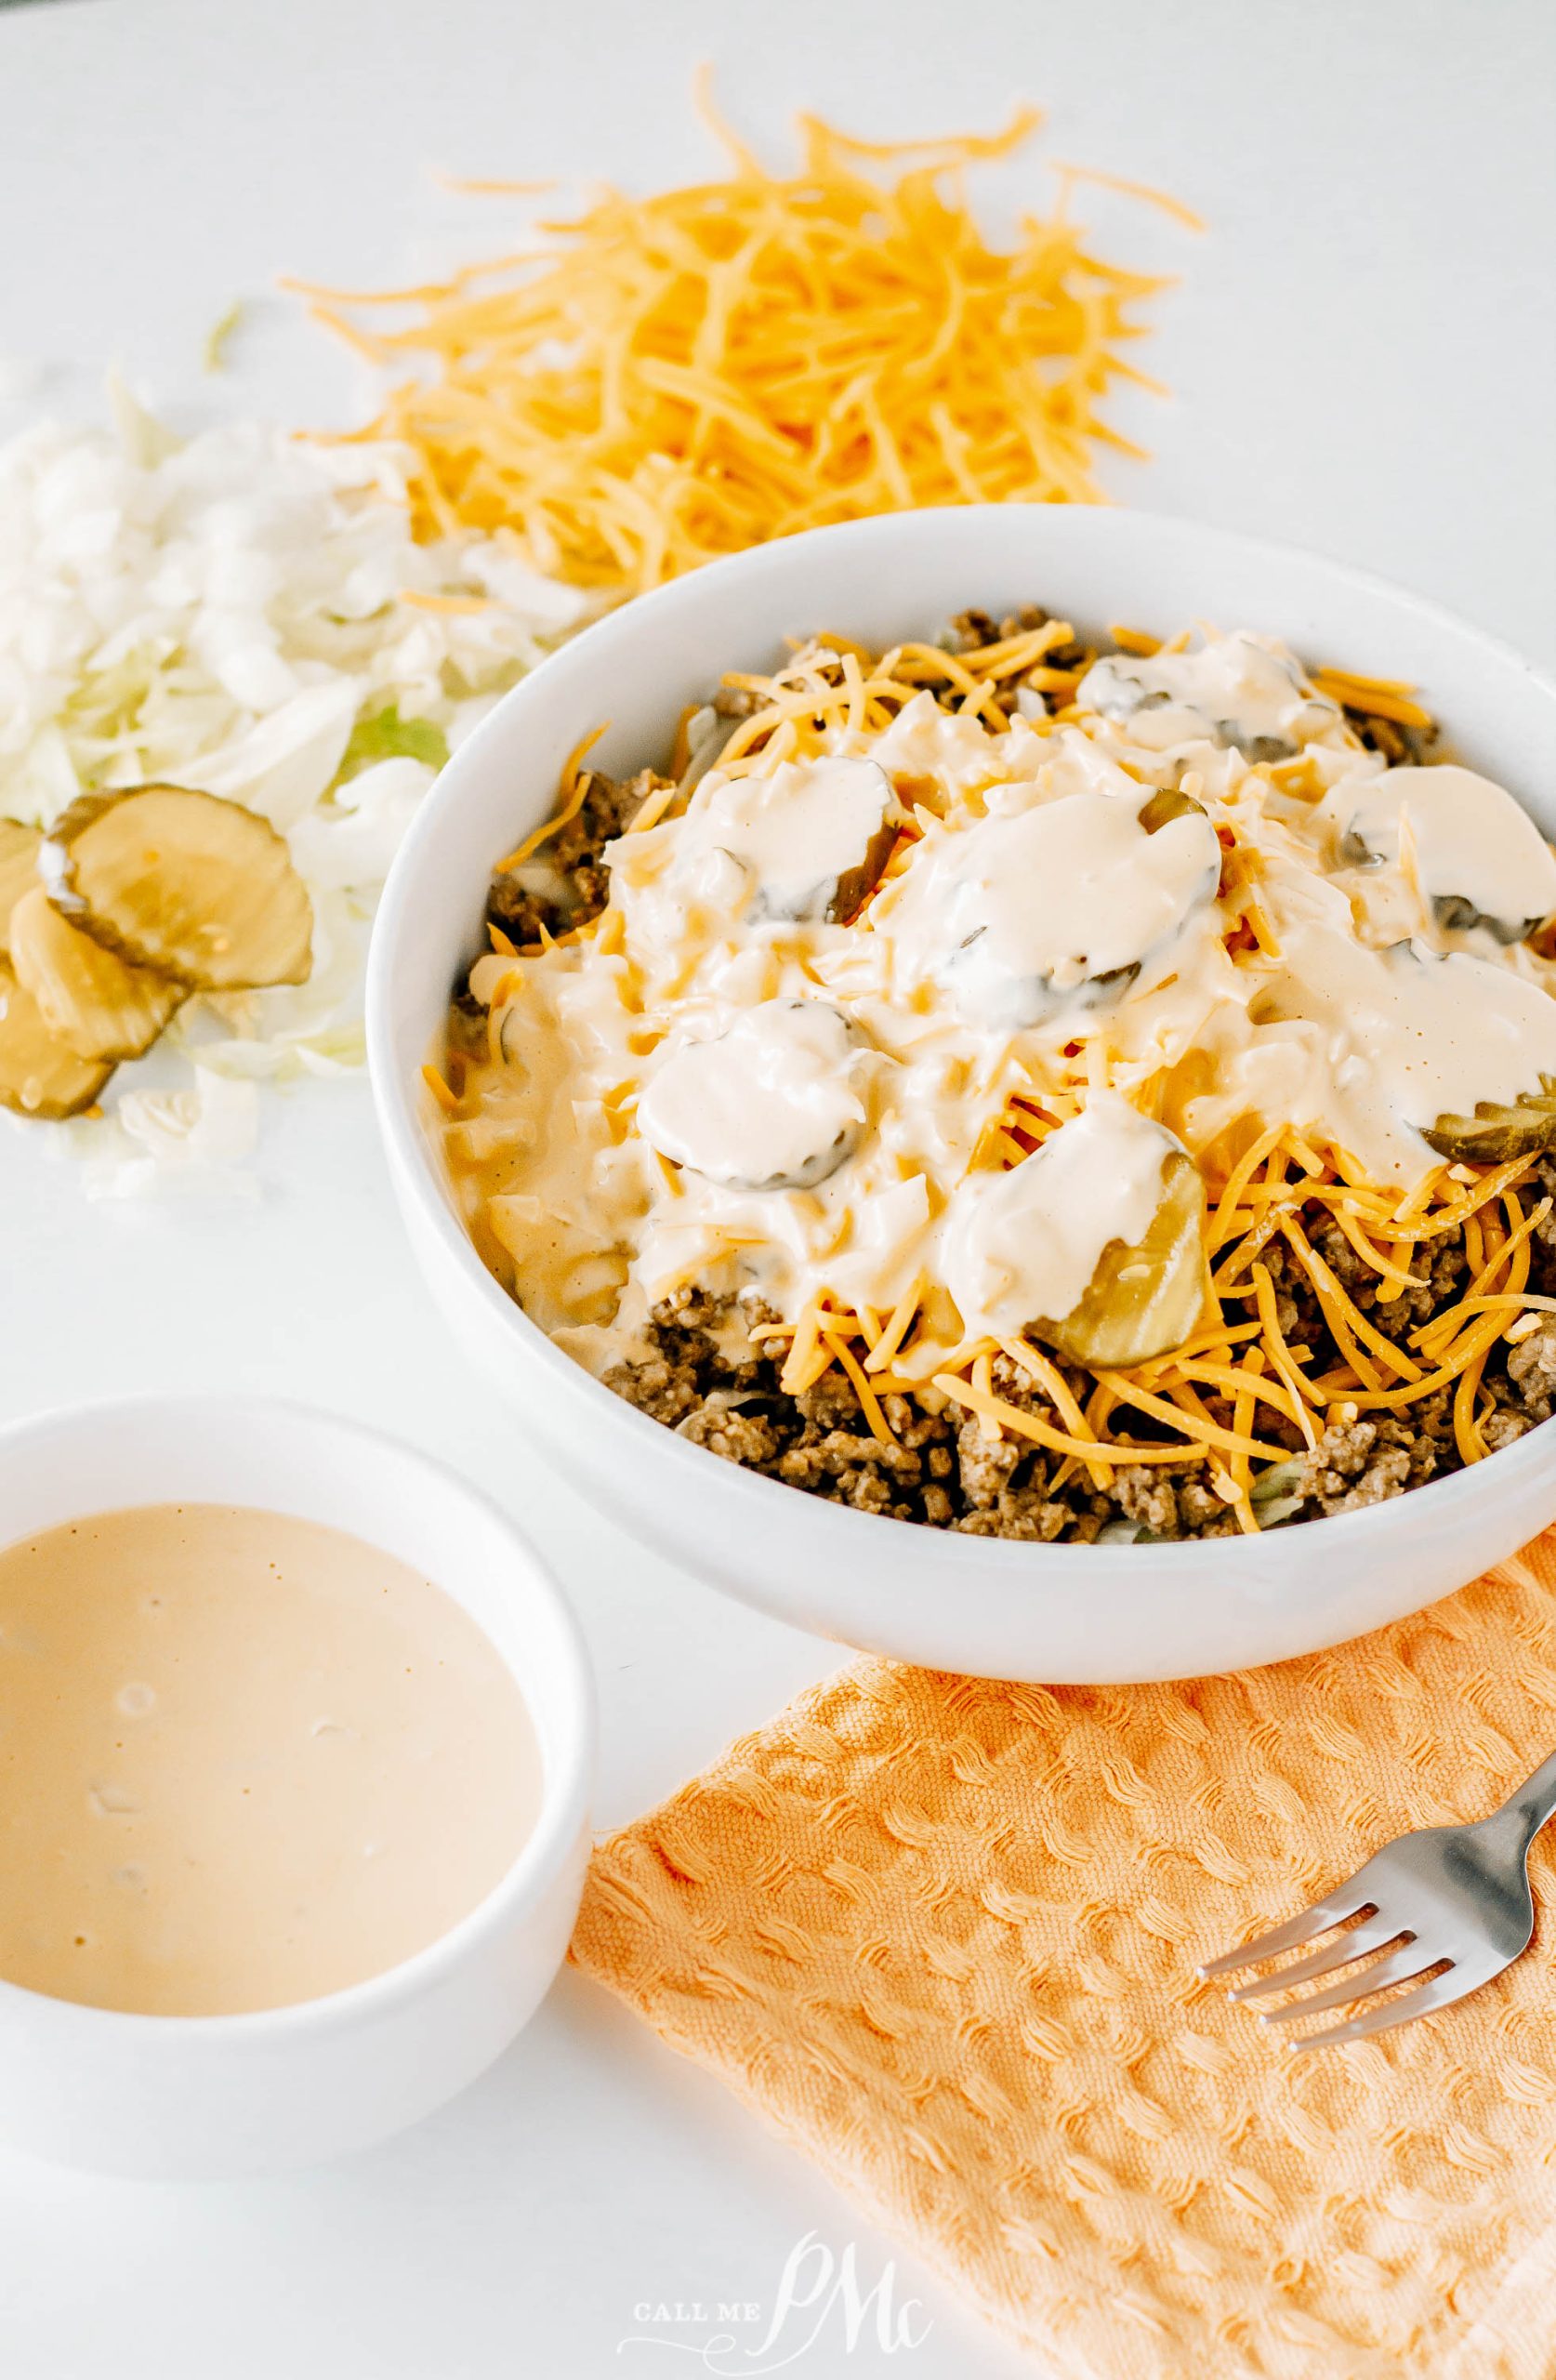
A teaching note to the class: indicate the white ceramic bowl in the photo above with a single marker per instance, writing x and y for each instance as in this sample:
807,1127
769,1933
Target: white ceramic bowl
1061,1613
195,2096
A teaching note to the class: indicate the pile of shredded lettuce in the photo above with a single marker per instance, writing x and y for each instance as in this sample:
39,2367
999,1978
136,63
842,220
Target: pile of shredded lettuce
247,612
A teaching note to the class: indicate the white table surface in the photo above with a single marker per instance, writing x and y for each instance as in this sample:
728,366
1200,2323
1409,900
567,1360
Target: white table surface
1364,356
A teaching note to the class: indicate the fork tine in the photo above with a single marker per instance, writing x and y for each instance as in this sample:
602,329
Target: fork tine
1440,1993
1408,1964
1376,1932
1344,1902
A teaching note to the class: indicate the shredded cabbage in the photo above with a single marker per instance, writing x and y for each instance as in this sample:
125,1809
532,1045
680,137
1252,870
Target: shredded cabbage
175,1144
249,613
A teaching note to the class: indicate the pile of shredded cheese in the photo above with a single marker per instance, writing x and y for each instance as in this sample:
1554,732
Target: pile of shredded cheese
665,380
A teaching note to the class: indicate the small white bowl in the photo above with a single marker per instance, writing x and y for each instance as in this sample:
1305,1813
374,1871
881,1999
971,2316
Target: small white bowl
181,2097
1065,1613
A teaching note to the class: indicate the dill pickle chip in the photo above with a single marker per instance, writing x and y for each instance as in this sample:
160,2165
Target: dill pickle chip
1494,1135
1147,1298
39,1075
197,887
93,1002
18,870
852,887
1167,803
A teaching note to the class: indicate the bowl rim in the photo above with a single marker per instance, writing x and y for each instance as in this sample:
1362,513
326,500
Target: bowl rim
565,1801
412,1162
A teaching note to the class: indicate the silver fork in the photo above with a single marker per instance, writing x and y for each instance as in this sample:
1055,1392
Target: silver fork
1454,1897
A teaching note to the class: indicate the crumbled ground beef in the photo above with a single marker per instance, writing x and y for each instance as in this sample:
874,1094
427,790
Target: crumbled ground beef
566,885
1375,1457
944,1472
971,630
1532,1371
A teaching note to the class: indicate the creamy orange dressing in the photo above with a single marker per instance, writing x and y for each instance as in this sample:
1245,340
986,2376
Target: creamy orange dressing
244,1761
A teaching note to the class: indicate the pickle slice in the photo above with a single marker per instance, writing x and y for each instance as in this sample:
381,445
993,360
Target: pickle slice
1494,1135
39,1075
1144,1300
852,887
197,887
89,999
18,870
1167,803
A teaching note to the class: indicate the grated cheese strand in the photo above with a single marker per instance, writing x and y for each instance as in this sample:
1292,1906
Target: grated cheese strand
1435,1335
1199,1425
880,1427
899,1322
574,791
1049,1377
1025,1425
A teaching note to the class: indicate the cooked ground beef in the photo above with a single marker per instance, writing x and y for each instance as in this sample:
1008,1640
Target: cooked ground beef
943,1473
970,630
565,885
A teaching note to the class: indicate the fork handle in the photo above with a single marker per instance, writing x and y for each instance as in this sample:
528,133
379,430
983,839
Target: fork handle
1534,1802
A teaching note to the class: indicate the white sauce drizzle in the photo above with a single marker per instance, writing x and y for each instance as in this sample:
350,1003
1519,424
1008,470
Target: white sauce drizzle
795,834
1389,1041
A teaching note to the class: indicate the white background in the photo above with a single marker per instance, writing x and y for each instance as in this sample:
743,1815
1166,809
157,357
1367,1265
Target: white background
1364,357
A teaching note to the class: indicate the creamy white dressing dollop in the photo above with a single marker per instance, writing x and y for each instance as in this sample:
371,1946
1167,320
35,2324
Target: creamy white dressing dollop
1477,857
1019,916
798,834
1397,1037
1231,689
1022,1246
769,1105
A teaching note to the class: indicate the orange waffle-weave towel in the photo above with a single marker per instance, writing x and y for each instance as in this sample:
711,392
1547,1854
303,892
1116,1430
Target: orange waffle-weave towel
942,1932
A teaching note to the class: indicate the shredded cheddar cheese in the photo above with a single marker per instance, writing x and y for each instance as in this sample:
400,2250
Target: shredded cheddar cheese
659,381
574,791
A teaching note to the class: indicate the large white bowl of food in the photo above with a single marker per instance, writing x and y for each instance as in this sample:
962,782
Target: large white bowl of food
986,1079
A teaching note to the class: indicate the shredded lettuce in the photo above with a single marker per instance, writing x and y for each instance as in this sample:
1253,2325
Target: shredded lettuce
1277,1494
214,353
176,1143
387,736
247,612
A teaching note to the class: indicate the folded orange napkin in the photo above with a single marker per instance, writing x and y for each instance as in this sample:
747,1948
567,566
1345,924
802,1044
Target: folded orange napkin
942,1932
